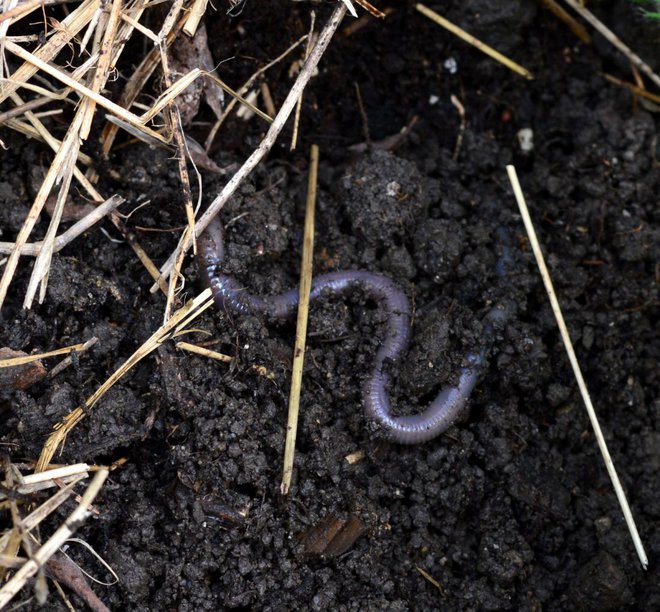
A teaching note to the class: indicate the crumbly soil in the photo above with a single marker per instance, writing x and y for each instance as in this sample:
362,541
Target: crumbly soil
511,509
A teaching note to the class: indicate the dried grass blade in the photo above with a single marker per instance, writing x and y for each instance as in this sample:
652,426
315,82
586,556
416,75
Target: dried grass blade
244,89
64,471
48,507
70,141
107,57
587,15
70,27
635,89
24,108
179,140
42,263
200,350
474,41
24,8
51,546
16,361
4,28
64,78
586,398
137,82
177,88
39,131
179,320
301,324
276,127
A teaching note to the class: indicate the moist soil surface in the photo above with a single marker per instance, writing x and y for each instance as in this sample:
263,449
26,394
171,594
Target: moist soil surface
512,507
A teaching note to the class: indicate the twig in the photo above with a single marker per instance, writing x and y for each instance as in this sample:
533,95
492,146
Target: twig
64,78
62,569
475,42
194,17
176,127
72,233
268,140
59,472
587,15
47,508
51,546
21,110
638,91
200,350
296,117
16,361
70,27
554,302
560,13
301,324
67,361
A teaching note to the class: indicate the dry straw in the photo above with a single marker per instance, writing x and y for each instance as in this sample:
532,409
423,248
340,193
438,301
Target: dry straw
173,326
53,544
554,302
268,141
587,15
474,41
301,325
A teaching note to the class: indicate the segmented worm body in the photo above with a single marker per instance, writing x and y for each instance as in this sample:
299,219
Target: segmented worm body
444,409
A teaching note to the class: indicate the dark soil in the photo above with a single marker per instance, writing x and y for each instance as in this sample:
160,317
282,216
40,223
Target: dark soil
512,508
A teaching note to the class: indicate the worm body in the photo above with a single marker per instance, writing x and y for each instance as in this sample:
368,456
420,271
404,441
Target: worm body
444,409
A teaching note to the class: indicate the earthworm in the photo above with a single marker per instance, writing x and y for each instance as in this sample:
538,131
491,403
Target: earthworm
444,409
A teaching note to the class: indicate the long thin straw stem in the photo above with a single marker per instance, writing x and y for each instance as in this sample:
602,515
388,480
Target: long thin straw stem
301,325
554,302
